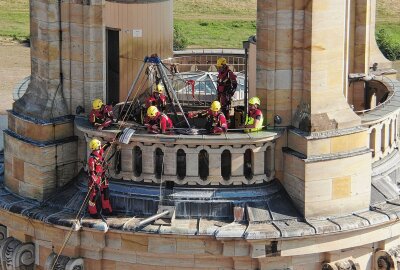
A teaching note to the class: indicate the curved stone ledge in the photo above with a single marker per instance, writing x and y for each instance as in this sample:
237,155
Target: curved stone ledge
228,159
269,213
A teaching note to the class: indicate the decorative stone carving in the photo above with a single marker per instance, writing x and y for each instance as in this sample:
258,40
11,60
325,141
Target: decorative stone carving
3,232
386,260
302,117
15,255
341,265
63,263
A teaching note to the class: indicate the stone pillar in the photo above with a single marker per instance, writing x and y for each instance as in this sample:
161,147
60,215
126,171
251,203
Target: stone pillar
214,166
192,167
44,97
170,161
237,162
258,160
127,159
148,159
305,51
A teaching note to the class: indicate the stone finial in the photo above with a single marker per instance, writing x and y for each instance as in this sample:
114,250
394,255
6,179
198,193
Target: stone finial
63,263
15,255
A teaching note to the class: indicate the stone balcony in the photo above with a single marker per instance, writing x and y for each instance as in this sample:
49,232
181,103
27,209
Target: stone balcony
383,121
194,160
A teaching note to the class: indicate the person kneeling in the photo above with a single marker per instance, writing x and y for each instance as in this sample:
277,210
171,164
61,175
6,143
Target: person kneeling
101,115
216,121
254,118
157,122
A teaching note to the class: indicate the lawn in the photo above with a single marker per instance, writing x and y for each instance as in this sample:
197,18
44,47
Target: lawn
14,18
216,33
206,23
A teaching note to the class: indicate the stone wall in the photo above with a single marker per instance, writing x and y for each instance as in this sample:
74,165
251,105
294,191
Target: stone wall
367,249
39,158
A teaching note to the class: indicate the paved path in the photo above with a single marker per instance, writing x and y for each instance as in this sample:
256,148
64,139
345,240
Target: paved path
15,65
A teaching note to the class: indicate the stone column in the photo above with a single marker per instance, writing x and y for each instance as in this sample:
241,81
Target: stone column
148,159
304,51
170,161
237,155
192,168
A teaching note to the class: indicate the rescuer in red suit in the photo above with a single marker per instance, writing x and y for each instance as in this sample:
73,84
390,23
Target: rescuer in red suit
157,98
226,85
216,121
101,115
157,122
99,196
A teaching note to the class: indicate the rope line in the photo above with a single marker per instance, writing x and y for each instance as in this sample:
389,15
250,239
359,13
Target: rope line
76,220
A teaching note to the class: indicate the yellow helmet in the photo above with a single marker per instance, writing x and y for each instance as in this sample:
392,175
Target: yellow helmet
159,88
95,144
221,61
152,111
215,106
254,100
97,103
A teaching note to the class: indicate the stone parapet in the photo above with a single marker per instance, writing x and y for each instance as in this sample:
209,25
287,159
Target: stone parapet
229,159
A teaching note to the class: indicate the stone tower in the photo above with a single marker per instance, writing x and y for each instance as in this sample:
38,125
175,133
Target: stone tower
306,52
317,190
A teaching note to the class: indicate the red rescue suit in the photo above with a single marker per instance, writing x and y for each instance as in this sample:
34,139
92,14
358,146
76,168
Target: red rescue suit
159,124
158,100
102,117
227,85
99,196
216,122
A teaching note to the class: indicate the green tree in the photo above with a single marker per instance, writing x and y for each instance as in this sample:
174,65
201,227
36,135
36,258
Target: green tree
180,41
389,47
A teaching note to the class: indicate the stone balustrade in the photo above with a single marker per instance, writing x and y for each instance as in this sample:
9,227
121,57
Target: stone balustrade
229,159
383,122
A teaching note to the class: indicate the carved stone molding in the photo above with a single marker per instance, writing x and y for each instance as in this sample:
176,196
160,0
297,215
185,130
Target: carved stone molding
63,263
15,255
387,260
341,265
3,232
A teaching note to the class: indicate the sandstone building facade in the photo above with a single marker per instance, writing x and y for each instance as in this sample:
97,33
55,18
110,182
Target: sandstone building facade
316,190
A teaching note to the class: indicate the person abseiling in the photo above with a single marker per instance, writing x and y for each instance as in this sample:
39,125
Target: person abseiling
157,122
226,85
216,121
254,118
101,115
157,98
99,196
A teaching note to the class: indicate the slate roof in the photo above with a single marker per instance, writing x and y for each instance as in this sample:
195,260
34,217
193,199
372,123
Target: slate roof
269,210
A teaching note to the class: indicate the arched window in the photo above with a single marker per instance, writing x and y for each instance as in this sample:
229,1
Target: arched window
372,139
248,164
203,165
181,164
226,164
137,161
268,159
159,163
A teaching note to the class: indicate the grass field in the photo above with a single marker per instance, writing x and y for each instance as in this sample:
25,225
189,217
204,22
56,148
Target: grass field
204,23
14,18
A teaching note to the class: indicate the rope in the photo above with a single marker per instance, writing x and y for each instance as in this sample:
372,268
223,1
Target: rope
72,227
91,187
